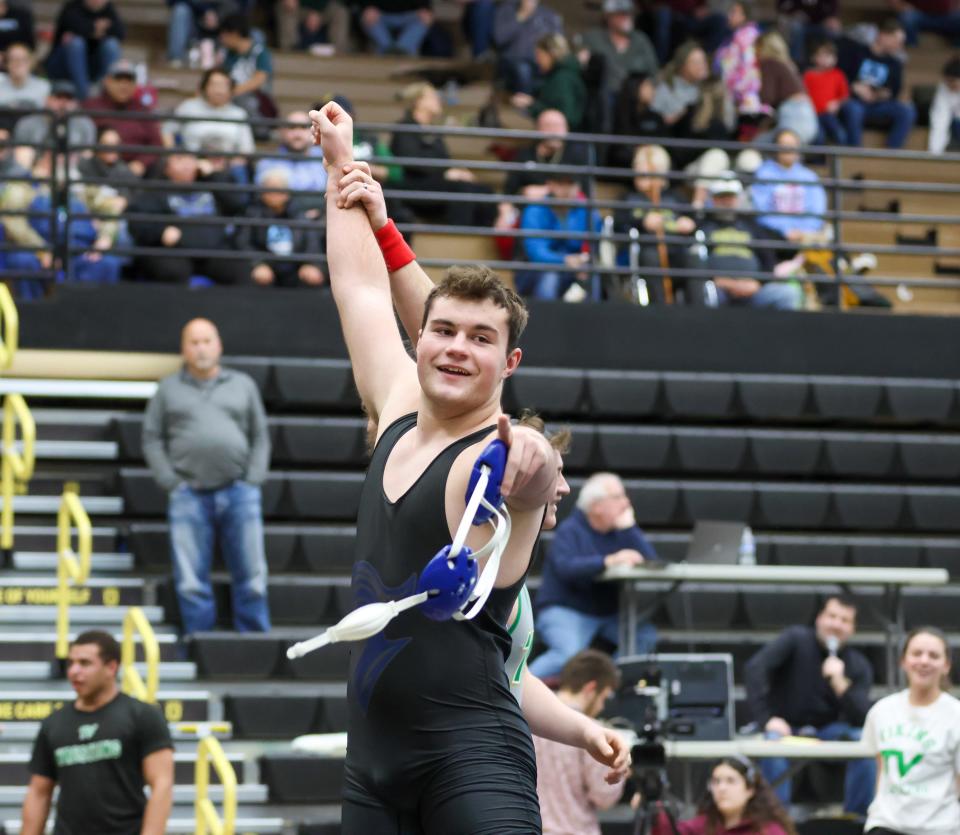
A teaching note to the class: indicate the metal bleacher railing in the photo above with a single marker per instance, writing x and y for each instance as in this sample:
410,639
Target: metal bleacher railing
135,623
73,567
208,821
836,181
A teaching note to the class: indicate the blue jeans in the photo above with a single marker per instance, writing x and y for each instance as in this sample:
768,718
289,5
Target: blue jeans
567,631
519,75
860,779
898,116
181,30
83,62
478,25
780,295
914,22
710,30
403,31
232,513
831,130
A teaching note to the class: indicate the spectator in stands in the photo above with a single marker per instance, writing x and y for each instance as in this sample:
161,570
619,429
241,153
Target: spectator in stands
107,164
397,26
553,149
939,16
424,109
214,101
829,91
45,129
806,21
118,94
206,440
183,170
875,73
571,785
303,163
731,240
250,65
303,23
782,90
477,23
915,735
945,110
687,19
622,49
518,27
737,62
86,43
280,238
738,800
16,26
572,607
569,252
19,87
656,209
192,21
810,680
562,87
794,196
102,750
634,116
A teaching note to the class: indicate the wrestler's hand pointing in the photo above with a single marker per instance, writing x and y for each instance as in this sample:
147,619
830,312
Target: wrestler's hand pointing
529,465
333,130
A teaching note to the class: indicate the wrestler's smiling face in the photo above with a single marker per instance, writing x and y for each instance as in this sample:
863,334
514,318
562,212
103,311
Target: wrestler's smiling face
461,353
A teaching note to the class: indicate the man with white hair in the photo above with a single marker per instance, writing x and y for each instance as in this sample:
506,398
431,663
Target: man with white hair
572,607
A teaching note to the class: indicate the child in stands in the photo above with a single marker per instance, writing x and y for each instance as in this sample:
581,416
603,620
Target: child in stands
827,86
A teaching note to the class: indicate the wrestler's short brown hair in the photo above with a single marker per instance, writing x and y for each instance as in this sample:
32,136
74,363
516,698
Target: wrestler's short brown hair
476,284
560,440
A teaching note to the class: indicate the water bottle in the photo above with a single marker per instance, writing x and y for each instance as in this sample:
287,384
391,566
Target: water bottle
748,548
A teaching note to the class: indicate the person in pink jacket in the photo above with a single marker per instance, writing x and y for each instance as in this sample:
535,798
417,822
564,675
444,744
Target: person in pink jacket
738,801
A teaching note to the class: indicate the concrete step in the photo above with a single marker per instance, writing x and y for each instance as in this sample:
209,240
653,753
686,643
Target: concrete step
37,671
86,615
25,732
32,642
49,505
248,793
35,705
100,563
17,592
247,821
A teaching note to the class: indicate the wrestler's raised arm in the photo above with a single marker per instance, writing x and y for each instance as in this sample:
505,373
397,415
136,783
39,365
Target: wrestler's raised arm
381,367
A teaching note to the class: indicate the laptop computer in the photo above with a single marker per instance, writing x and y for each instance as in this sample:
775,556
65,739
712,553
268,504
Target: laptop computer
716,543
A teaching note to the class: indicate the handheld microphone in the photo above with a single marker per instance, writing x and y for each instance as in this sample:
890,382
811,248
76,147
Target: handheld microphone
833,645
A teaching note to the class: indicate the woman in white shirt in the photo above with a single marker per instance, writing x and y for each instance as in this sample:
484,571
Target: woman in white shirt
916,736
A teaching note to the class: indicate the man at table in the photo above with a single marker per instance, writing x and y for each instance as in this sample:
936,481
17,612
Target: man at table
809,681
572,606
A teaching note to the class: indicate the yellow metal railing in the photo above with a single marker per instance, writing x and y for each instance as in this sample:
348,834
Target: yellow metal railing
135,623
208,821
16,467
10,325
73,567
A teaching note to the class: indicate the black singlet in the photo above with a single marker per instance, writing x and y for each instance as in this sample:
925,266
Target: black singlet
437,743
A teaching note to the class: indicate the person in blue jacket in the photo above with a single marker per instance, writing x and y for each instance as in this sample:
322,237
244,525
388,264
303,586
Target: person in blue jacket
569,252
572,607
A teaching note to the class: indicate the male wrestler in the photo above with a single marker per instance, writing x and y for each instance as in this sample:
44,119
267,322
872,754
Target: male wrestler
436,742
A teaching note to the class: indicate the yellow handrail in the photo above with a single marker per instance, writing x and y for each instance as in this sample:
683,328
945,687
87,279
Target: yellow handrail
10,324
16,468
135,621
208,822
72,567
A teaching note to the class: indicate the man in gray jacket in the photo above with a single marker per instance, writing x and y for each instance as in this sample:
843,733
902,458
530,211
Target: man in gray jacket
205,438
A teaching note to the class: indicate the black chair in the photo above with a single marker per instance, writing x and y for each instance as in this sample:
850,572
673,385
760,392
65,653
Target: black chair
582,455
280,543
934,508
550,391
699,395
770,397
809,550
777,452
248,655
327,549
861,507
150,545
141,495
920,401
328,664
330,441
943,553
793,505
295,602
630,394
885,552
856,455
846,398
710,450
703,607
941,607
272,716
316,383
128,431
930,456
328,496
654,502
302,778
717,500
773,607
334,711
632,448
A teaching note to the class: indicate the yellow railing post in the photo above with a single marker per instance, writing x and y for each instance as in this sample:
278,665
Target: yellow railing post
72,567
135,622
16,467
10,324
208,822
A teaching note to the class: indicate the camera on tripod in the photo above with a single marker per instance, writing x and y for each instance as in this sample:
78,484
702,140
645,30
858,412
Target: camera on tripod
649,755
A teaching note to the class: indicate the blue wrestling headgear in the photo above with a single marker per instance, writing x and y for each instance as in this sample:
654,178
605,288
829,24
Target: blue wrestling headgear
450,585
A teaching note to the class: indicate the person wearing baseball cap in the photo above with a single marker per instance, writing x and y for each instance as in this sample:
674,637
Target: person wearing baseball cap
624,50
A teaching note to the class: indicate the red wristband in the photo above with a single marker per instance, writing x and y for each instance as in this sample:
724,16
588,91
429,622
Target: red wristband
396,252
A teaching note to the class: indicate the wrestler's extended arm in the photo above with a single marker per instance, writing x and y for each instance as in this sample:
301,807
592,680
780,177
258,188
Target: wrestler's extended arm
358,278
552,719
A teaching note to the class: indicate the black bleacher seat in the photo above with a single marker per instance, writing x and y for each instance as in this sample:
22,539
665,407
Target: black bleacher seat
333,496
930,456
582,456
330,663
936,607
549,391
719,500
885,552
302,778
867,507
710,450
623,393
934,508
699,395
633,448
150,544
341,601
943,553
331,441
248,655
128,431
316,383
273,716
703,607
793,505
768,397
654,502
847,398
920,401
333,714
784,453
809,550
298,601
142,496
327,549
855,455
257,367
775,607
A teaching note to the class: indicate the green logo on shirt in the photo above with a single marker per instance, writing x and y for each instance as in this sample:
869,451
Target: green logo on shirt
89,752
87,731
889,755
